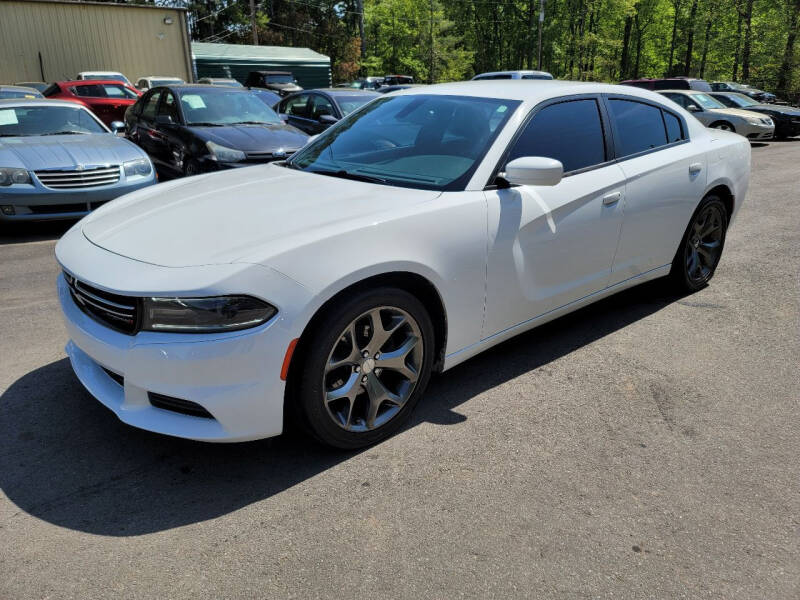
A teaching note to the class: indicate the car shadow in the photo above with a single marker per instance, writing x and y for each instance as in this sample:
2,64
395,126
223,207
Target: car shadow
67,460
22,232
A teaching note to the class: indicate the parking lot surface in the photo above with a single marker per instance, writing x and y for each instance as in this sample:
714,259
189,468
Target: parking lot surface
645,447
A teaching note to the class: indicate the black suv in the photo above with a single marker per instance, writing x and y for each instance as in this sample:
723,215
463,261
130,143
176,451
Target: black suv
282,82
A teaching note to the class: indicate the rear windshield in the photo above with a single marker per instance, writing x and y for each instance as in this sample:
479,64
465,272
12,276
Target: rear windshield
279,79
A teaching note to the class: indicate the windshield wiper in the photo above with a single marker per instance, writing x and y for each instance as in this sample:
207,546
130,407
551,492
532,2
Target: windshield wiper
66,133
347,175
250,123
203,124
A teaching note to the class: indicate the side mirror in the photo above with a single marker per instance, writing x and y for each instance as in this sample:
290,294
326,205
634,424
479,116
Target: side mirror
163,120
117,127
534,170
328,119
694,108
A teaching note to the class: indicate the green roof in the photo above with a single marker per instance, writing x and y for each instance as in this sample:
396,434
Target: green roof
202,50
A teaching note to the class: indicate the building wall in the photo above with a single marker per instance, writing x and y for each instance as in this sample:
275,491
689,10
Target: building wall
74,37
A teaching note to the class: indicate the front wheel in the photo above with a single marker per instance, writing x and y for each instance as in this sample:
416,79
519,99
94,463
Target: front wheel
364,368
723,125
701,247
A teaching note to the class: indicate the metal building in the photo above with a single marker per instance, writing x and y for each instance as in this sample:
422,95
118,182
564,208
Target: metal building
52,40
311,69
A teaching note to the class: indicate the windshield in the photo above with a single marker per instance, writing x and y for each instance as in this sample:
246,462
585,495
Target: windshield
279,79
742,100
47,120
106,77
706,101
223,107
160,82
420,141
5,94
349,103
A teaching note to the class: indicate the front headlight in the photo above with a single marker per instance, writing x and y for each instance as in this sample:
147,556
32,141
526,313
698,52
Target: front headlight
223,154
205,315
137,167
11,175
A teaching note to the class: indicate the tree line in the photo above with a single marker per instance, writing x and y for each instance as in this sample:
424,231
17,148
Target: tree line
752,41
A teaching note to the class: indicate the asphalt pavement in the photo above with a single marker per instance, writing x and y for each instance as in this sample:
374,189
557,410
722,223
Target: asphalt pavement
645,447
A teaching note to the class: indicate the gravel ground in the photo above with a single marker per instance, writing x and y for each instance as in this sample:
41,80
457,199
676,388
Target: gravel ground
645,447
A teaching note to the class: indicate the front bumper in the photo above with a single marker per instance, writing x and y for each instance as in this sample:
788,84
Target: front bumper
756,132
35,202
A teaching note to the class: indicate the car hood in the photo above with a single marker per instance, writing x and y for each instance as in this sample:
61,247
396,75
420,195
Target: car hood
241,215
783,110
254,138
66,151
739,112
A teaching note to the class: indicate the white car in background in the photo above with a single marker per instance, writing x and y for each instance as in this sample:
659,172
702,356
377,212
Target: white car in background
420,230
145,83
712,113
513,75
103,76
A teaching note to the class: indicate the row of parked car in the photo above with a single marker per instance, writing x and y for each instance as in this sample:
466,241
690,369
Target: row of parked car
165,126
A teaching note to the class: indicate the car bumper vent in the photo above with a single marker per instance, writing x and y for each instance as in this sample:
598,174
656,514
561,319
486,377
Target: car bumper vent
178,405
72,179
118,312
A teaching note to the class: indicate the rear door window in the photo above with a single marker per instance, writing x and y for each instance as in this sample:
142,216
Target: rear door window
571,132
297,106
639,126
169,107
149,110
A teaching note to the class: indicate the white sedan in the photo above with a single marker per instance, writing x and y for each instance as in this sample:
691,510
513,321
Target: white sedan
420,230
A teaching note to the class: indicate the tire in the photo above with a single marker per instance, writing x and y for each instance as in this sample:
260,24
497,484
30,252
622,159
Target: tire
701,246
723,125
347,399
190,168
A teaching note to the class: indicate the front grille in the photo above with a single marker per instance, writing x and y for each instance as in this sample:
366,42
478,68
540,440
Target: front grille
178,405
58,209
118,312
62,180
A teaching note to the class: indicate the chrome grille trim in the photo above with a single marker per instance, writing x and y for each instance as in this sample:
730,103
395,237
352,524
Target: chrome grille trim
113,313
63,179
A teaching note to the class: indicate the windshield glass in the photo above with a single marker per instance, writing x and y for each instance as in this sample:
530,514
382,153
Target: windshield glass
224,107
5,94
421,141
46,120
742,100
160,82
706,101
349,103
107,77
279,79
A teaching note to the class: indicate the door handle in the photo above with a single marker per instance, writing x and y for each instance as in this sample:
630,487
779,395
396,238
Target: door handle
695,168
610,199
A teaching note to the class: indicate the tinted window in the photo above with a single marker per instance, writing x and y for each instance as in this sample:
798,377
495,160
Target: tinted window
322,106
569,131
169,107
674,129
671,84
149,110
639,126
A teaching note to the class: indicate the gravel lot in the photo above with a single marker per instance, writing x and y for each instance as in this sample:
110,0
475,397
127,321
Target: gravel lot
645,447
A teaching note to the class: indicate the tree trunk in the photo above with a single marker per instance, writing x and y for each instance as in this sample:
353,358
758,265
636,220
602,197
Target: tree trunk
738,44
785,72
676,4
687,66
531,24
639,33
626,41
748,19
706,39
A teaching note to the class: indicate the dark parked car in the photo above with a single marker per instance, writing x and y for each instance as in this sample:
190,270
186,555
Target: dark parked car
108,99
314,111
397,79
39,86
741,88
224,81
190,129
8,92
282,82
670,83
367,83
787,119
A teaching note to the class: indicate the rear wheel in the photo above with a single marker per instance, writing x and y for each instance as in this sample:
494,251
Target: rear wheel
190,167
701,247
364,368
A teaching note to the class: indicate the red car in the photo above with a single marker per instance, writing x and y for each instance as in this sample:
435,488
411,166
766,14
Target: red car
106,98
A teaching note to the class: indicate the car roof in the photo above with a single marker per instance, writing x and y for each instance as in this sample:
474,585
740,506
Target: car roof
161,77
18,88
339,91
12,102
74,82
201,87
526,90
686,92
100,73
274,72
